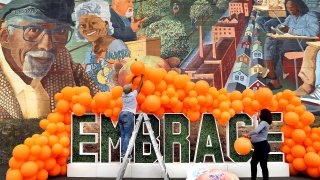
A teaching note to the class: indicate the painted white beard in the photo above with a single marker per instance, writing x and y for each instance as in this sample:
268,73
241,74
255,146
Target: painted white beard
129,13
32,68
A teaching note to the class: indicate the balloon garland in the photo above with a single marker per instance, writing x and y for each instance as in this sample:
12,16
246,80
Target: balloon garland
45,154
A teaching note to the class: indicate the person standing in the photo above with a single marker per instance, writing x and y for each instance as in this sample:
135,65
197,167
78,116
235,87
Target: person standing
259,140
126,117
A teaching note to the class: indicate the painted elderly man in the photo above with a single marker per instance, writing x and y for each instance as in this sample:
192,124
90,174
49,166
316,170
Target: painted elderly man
34,63
125,25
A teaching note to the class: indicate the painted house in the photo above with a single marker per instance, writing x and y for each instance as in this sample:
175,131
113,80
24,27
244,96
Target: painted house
256,64
256,83
244,56
257,51
240,73
246,42
248,32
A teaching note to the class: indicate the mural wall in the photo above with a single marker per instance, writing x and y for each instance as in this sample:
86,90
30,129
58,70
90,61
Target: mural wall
50,44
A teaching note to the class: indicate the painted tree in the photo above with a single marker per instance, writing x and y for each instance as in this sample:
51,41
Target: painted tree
174,40
201,9
223,4
154,9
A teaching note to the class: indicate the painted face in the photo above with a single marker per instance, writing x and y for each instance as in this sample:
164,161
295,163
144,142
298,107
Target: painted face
125,8
292,8
32,48
92,27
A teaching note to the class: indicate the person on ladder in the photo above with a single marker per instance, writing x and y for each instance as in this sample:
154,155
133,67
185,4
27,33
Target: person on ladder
126,117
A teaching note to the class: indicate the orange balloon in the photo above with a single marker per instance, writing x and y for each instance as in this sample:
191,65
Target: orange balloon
44,123
65,141
264,96
78,109
288,94
298,151
313,172
116,92
29,169
29,142
152,103
256,106
45,153
235,95
242,146
51,128
55,171
201,87
137,68
58,96
285,148
312,159
85,99
21,152
292,170
148,87
307,118
299,164
15,164
287,131
224,106
13,174
193,115
102,99
42,175
246,101
289,142
189,87
50,163
57,149
248,93
161,86
35,150
67,93
291,118
217,113
62,106
237,106
180,81
82,89
298,135
289,158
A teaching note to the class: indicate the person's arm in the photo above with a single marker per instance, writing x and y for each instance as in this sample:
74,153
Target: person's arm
262,125
140,83
311,29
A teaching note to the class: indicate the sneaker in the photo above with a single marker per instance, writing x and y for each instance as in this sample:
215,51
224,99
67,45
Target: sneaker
314,97
263,72
301,92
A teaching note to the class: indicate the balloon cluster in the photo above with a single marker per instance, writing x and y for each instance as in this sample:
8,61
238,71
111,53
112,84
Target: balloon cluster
302,143
164,92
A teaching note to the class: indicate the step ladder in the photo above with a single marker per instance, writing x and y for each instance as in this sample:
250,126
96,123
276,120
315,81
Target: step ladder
155,145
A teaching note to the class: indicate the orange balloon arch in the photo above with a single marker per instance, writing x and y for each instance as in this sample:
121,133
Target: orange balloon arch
45,154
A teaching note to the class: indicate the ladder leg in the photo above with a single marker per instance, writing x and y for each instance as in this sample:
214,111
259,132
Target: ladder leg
125,160
156,149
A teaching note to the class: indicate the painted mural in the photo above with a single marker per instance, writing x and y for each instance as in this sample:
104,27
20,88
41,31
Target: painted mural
233,44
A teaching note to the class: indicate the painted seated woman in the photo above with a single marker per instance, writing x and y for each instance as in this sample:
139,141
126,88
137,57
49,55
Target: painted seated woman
106,55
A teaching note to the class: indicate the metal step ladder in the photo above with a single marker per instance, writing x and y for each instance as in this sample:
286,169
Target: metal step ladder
155,145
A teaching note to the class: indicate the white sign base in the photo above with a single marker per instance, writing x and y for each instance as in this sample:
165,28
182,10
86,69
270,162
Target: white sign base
175,170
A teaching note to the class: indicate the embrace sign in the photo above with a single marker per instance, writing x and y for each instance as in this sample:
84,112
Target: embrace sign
213,147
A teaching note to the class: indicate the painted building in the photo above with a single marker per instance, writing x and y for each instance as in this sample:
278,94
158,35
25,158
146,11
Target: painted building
244,56
257,51
240,6
240,73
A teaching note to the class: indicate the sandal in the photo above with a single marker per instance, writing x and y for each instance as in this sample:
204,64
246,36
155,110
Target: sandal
271,86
